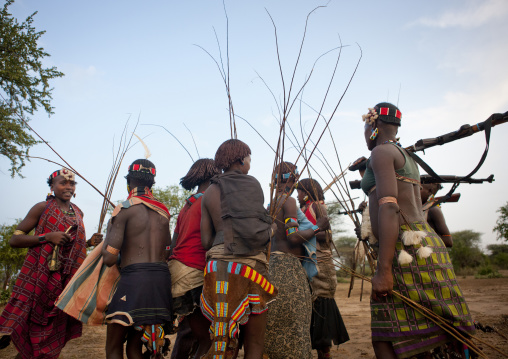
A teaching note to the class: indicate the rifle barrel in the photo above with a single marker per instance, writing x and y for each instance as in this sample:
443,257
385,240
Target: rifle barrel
463,131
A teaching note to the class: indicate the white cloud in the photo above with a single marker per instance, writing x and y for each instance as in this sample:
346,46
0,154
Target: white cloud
474,14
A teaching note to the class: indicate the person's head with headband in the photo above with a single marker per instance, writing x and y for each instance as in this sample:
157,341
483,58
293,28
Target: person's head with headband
141,173
62,183
382,121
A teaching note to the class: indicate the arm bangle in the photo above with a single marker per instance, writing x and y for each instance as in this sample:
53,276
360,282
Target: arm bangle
291,230
112,250
17,232
316,229
386,200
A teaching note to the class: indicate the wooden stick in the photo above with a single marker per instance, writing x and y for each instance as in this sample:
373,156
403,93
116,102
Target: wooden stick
54,263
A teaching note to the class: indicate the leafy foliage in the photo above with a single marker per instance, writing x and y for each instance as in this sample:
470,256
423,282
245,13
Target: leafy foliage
11,259
466,250
499,255
174,198
502,223
24,84
346,246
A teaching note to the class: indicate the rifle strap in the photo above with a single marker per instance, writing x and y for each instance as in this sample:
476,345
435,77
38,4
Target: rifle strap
487,125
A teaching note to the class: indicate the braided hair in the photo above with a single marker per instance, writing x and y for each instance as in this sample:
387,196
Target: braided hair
284,168
312,188
229,152
143,176
202,170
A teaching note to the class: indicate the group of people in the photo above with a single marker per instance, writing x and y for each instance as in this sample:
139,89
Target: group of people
236,273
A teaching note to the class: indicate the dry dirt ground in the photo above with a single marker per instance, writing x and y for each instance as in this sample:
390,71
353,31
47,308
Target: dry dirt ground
487,299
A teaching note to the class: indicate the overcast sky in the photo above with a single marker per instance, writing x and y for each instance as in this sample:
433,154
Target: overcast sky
444,63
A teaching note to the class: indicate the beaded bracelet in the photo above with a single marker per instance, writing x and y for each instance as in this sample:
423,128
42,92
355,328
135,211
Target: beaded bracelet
291,230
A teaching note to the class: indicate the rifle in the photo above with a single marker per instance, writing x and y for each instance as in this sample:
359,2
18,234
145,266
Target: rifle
425,179
453,198
462,132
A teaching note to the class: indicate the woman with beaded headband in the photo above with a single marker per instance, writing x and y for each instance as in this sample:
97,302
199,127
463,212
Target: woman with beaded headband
187,263
292,265
327,325
36,327
412,259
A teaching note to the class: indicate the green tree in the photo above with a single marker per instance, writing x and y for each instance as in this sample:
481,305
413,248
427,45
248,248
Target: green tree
174,198
502,223
24,84
499,255
345,246
466,250
11,259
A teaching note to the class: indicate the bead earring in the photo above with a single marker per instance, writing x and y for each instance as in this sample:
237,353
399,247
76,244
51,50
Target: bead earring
241,162
74,195
374,134
306,198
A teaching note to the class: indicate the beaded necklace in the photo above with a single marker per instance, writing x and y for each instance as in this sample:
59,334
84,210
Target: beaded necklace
397,143
69,213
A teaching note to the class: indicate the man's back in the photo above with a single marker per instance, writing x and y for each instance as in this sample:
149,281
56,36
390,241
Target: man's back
145,235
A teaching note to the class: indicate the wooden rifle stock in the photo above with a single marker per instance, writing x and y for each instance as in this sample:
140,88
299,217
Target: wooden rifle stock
453,198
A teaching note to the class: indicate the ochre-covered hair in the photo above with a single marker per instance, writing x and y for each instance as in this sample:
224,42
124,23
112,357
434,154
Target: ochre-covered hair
230,152
284,172
145,174
202,170
312,188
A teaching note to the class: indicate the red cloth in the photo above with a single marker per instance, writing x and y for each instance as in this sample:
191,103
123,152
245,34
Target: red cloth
308,209
37,328
188,248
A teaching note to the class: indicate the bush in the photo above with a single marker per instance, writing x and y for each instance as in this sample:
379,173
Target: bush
487,271
501,260
5,295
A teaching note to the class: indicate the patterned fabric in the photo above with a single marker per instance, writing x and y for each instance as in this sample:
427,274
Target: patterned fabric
39,329
232,292
87,294
430,282
153,337
288,321
143,195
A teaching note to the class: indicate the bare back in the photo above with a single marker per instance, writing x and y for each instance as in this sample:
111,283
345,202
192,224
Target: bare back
141,234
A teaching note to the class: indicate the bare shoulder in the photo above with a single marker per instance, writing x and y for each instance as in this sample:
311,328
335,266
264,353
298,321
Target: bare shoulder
38,209
287,201
211,194
383,151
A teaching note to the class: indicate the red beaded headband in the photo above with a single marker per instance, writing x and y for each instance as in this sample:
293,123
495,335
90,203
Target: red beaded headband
385,111
141,168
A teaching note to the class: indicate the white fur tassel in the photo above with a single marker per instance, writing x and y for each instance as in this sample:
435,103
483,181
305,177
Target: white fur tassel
412,237
147,151
405,257
424,252
366,227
